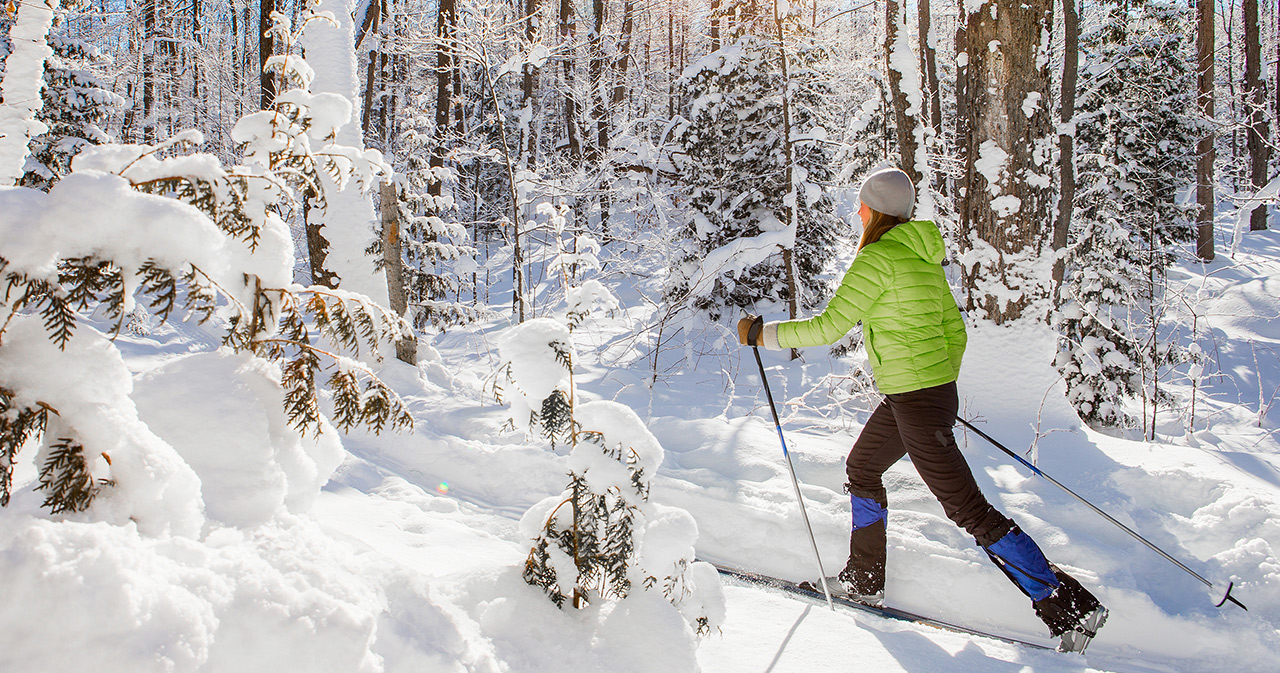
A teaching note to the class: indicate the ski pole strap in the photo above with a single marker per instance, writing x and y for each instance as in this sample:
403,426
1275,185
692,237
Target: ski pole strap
753,332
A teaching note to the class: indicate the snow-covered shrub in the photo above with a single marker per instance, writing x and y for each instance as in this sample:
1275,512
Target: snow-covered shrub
734,172
602,538
1134,140
178,231
536,377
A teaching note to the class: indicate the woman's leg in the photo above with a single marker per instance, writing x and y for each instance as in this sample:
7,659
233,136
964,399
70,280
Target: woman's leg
878,446
924,419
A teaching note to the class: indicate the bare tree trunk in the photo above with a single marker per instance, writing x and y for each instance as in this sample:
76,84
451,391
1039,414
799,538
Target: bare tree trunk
597,150
393,264
624,55
385,98
788,256
929,66
530,143
600,95
1066,140
715,25
1204,149
895,37
671,60
962,99
446,19
150,53
1007,206
1234,171
266,47
371,26
237,53
317,247
1255,107
568,30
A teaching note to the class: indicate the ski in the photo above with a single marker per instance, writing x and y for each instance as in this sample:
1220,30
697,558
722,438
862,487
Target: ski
807,591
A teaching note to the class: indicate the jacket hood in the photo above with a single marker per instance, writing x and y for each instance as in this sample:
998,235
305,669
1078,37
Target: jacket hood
920,237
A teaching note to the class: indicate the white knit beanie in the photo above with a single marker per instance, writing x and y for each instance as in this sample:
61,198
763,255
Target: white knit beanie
889,191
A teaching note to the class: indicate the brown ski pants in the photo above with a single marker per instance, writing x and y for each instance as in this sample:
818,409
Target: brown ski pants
917,424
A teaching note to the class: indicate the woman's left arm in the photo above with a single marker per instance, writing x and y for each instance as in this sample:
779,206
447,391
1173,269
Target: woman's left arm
863,284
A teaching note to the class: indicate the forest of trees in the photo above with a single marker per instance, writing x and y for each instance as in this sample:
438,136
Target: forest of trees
1070,153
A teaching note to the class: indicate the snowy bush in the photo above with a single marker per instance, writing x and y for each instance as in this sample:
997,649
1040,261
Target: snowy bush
536,377
571,263
602,538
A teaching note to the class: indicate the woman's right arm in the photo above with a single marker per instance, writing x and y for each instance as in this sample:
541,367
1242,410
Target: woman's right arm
863,284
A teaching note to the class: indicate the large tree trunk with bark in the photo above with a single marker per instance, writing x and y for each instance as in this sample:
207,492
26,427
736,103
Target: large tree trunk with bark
1255,108
1006,217
1066,138
1204,149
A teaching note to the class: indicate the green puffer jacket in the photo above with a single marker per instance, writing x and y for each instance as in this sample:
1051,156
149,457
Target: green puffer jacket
910,322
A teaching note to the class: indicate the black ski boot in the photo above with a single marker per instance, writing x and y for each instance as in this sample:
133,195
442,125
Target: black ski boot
1072,613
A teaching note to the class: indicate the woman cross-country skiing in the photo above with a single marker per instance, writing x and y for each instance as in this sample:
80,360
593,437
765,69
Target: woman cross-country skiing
915,338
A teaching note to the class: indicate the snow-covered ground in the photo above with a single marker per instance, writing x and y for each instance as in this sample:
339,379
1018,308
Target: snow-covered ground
410,557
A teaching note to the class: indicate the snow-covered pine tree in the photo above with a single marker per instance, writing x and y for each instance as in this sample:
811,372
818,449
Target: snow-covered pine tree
536,375
601,538
171,227
1135,145
434,251
76,104
734,171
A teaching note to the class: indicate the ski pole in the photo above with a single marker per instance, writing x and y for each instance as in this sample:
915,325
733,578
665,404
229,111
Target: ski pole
822,574
1226,597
